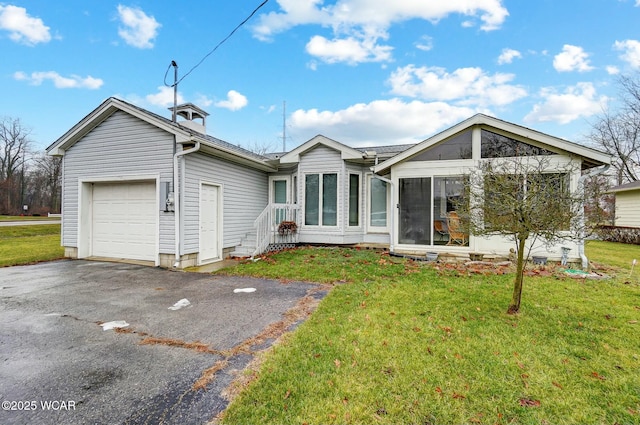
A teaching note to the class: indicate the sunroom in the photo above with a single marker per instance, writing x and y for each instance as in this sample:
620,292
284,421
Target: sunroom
428,181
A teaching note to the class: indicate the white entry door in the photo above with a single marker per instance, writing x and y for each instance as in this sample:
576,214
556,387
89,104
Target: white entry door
209,223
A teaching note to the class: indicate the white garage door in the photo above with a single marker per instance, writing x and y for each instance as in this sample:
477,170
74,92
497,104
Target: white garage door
124,220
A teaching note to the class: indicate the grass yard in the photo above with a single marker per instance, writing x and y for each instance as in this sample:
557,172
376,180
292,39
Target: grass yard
25,218
403,342
29,244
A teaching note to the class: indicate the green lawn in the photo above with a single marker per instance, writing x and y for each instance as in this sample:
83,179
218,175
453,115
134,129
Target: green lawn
617,256
25,218
29,244
400,342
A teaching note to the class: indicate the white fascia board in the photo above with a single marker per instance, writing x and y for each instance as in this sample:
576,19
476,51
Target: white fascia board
346,152
232,155
101,113
490,122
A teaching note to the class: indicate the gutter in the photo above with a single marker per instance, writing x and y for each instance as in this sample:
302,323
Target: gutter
593,173
176,198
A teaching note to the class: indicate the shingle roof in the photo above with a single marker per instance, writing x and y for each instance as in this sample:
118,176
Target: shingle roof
624,187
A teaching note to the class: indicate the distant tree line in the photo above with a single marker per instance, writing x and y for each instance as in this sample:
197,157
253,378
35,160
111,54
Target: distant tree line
27,177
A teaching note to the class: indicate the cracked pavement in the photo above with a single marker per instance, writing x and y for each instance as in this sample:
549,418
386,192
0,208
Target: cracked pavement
52,347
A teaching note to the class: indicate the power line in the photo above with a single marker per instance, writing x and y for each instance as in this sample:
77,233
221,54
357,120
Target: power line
212,50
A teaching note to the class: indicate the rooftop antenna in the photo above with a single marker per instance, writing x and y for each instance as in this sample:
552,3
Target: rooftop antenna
284,126
175,90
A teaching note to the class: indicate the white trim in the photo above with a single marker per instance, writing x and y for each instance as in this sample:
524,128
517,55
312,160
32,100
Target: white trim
220,222
513,130
85,210
360,225
339,192
368,227
346,152
285,178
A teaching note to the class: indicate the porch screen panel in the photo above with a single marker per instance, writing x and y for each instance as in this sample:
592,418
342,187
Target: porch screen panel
447,194
415,211
329,199
312,200
378,207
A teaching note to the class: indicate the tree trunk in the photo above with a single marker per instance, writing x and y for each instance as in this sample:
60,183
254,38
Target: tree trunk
514,307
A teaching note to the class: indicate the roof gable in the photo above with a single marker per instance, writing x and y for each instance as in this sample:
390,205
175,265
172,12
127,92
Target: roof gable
183,134
592,156
345,151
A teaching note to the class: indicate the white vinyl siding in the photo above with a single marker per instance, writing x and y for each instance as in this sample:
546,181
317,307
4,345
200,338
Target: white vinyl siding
628,209
122,145
244,196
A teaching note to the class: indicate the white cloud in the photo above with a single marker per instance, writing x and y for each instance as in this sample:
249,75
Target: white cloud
631,49
358,25
203,101
637,3
60,82
381,14
377,122
425,44
576,102
138,29
465,86
234,102
613,70
164,97
572,58
22,27
349,50
508,55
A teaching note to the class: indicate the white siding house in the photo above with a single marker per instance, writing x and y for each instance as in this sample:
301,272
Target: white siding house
138,186
627,205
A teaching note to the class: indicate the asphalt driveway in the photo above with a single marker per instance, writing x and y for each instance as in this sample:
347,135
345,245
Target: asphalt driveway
58,365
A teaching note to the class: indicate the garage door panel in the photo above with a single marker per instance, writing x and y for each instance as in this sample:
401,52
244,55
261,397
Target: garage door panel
124,220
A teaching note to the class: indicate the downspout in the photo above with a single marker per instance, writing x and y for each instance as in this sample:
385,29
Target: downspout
593,173
176,198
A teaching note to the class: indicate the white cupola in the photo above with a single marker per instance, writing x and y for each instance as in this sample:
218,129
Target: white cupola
191,116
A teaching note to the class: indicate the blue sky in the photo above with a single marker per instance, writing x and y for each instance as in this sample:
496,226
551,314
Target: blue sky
363,72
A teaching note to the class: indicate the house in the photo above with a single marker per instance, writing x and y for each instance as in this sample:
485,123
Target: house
627,204
140,186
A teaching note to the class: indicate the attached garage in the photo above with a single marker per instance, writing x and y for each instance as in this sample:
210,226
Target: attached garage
121,220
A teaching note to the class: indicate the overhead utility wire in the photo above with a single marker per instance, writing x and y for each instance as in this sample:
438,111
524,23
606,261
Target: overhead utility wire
213,50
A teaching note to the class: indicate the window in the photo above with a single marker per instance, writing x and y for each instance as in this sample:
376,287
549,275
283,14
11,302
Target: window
378,203
447,194
498,146
280,191
429,211
321,200
514,197
354,200
458,147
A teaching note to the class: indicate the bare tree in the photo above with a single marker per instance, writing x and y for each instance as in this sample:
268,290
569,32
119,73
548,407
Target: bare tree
525,200
14,146
618,132
43,184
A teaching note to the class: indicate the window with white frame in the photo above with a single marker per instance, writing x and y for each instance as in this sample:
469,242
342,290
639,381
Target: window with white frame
354,200
378,200
321,199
